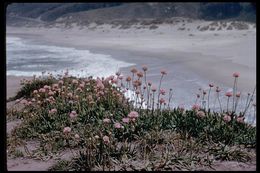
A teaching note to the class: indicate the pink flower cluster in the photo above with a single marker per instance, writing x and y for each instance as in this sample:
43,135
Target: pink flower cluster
181,107
75,82
100,85
144,67
67,130
133,114
118,126
47,87
126,120
240,119
106,139
201,114
227,118
236,74
162,91
53,111
106,120
163,72
229,94
73,114
162,101
195,107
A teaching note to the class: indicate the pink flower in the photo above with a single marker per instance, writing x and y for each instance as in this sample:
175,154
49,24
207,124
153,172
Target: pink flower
236,74
128,79
195,107
133,119
181,107
35,92
24,101
211,85
106,120
201,114
227,118
100,93
240,119
111,77
238,94
162,91
115,81
76,136
139,74
163,72
79,90
73,114
133,114
46,87
218,89
162,100
133,70
52,98
106,139
125,120
29,103
42,90
228,94
100,84
117,125
153,88
67,130
70,94
74,81
53,111
55,86
82,85
51,93
144,67
61,82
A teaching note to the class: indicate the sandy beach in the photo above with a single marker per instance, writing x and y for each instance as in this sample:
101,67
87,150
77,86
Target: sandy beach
191,57
13,84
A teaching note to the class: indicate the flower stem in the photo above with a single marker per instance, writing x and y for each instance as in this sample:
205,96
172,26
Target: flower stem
227,103
208,98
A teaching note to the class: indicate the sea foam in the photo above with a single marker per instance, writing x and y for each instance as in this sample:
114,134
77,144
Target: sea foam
25,58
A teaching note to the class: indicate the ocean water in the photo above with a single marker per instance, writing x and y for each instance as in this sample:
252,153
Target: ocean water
25,58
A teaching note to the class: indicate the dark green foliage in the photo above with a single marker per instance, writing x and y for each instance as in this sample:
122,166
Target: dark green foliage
150,131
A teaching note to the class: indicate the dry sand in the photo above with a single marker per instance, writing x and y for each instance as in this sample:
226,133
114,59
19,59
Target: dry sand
13,85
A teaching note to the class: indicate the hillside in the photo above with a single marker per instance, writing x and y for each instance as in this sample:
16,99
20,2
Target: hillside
83,13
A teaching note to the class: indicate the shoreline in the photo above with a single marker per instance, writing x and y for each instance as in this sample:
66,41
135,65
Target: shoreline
197,66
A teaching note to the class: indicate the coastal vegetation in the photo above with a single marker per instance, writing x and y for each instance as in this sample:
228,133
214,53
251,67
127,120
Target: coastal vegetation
127,123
